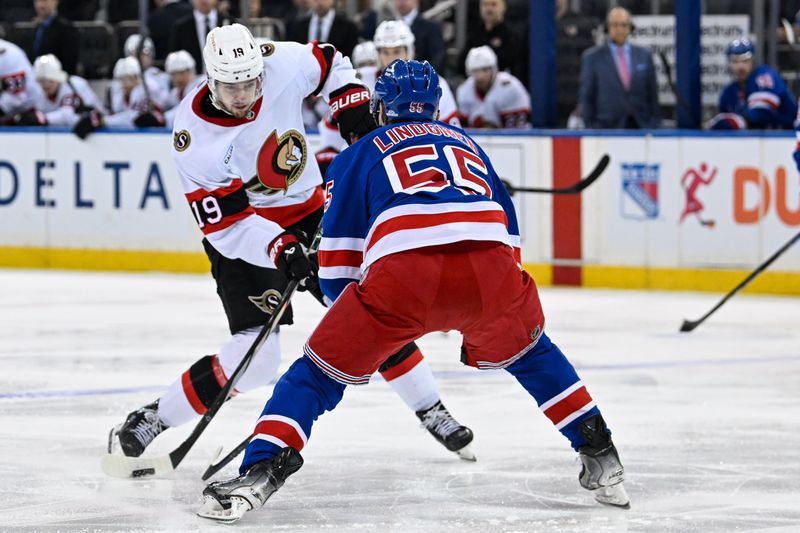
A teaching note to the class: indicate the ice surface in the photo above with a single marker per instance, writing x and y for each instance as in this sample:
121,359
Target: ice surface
706,422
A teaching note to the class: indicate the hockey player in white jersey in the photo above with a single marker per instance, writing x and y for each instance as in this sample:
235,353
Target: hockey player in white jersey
154,76
180,66
64,98
255,191
365,55
130,104
492,99
18,89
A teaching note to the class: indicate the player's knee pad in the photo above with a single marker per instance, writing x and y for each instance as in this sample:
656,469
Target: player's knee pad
264,364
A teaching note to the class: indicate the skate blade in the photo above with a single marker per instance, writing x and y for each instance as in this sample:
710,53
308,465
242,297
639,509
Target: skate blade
614,496
113,442
466,454
212,509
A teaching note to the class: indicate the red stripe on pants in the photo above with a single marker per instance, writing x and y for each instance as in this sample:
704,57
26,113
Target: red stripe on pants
282,431
566,210
405,366
561,410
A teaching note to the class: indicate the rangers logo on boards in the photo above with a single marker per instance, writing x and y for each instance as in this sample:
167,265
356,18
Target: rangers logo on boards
640,190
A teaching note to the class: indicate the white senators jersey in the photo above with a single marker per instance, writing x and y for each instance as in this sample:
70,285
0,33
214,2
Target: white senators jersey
248,178
159,81
18,88
125,108
61,109
506,105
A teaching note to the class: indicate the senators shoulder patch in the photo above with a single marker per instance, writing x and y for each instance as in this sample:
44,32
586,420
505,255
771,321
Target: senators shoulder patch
267,49
182,140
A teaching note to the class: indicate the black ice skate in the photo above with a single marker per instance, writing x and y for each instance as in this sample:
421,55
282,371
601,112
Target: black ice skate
138,431
446,429
227,501
602,471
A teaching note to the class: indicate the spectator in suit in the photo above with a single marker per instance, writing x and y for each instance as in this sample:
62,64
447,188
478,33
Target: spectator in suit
325,25
618,81
160,23
54,35
428,40
494,32
189,33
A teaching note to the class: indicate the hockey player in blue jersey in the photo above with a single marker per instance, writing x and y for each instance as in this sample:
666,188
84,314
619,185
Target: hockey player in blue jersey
757,98
419,235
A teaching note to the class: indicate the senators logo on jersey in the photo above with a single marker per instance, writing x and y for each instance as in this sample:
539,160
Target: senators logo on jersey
181,140
268,301
280,162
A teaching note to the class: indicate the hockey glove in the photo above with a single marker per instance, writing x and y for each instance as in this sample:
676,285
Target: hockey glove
350,108
149,119
88,123
31,117
287,254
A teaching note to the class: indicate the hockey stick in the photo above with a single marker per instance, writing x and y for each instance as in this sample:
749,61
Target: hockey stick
117,465
213,468
576,188
689,325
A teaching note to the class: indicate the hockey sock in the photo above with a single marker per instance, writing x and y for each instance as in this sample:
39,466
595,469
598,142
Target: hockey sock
301,395
552,381
192,393
411,377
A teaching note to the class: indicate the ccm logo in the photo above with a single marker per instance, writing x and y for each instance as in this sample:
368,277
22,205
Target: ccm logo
348,100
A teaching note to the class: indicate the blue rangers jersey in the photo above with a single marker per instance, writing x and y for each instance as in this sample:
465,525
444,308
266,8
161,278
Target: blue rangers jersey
406,186
764,101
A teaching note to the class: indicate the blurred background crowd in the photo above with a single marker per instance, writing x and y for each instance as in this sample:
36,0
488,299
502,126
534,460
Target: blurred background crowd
93,69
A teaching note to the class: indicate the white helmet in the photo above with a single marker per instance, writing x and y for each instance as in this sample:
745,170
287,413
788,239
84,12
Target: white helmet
48,67
394,33
127,66
365,54
132,45
481,57
179,61
231,55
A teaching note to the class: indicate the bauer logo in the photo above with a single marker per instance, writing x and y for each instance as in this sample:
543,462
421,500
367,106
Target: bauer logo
639,190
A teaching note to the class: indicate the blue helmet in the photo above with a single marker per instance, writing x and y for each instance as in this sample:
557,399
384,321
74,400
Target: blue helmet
741,47
409,90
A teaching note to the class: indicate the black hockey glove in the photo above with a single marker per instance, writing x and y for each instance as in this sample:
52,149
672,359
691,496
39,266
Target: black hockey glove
149,119
31,117
350,108
288,255
88,123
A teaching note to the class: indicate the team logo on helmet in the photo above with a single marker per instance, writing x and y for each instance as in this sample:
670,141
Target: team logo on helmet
182,140
280,163
268,301
267,49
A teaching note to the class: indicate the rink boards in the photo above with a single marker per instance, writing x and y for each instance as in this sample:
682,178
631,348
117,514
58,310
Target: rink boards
672,211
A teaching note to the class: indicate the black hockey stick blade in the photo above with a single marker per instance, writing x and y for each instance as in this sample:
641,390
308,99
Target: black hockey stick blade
213,468
690,325
575,188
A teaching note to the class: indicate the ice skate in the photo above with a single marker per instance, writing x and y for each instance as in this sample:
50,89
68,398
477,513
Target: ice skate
446,430
602,471
227,501
137,432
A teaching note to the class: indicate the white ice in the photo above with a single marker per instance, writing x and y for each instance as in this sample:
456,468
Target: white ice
707,423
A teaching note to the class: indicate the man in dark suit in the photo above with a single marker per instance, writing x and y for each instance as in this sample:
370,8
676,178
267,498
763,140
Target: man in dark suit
618,81
54,35
160,23
428,40
494,32
189,33
326,26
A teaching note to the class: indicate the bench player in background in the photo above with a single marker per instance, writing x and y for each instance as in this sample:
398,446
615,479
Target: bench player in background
64,98
489,98
18,89
419,207
757,99
255,191
180,66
